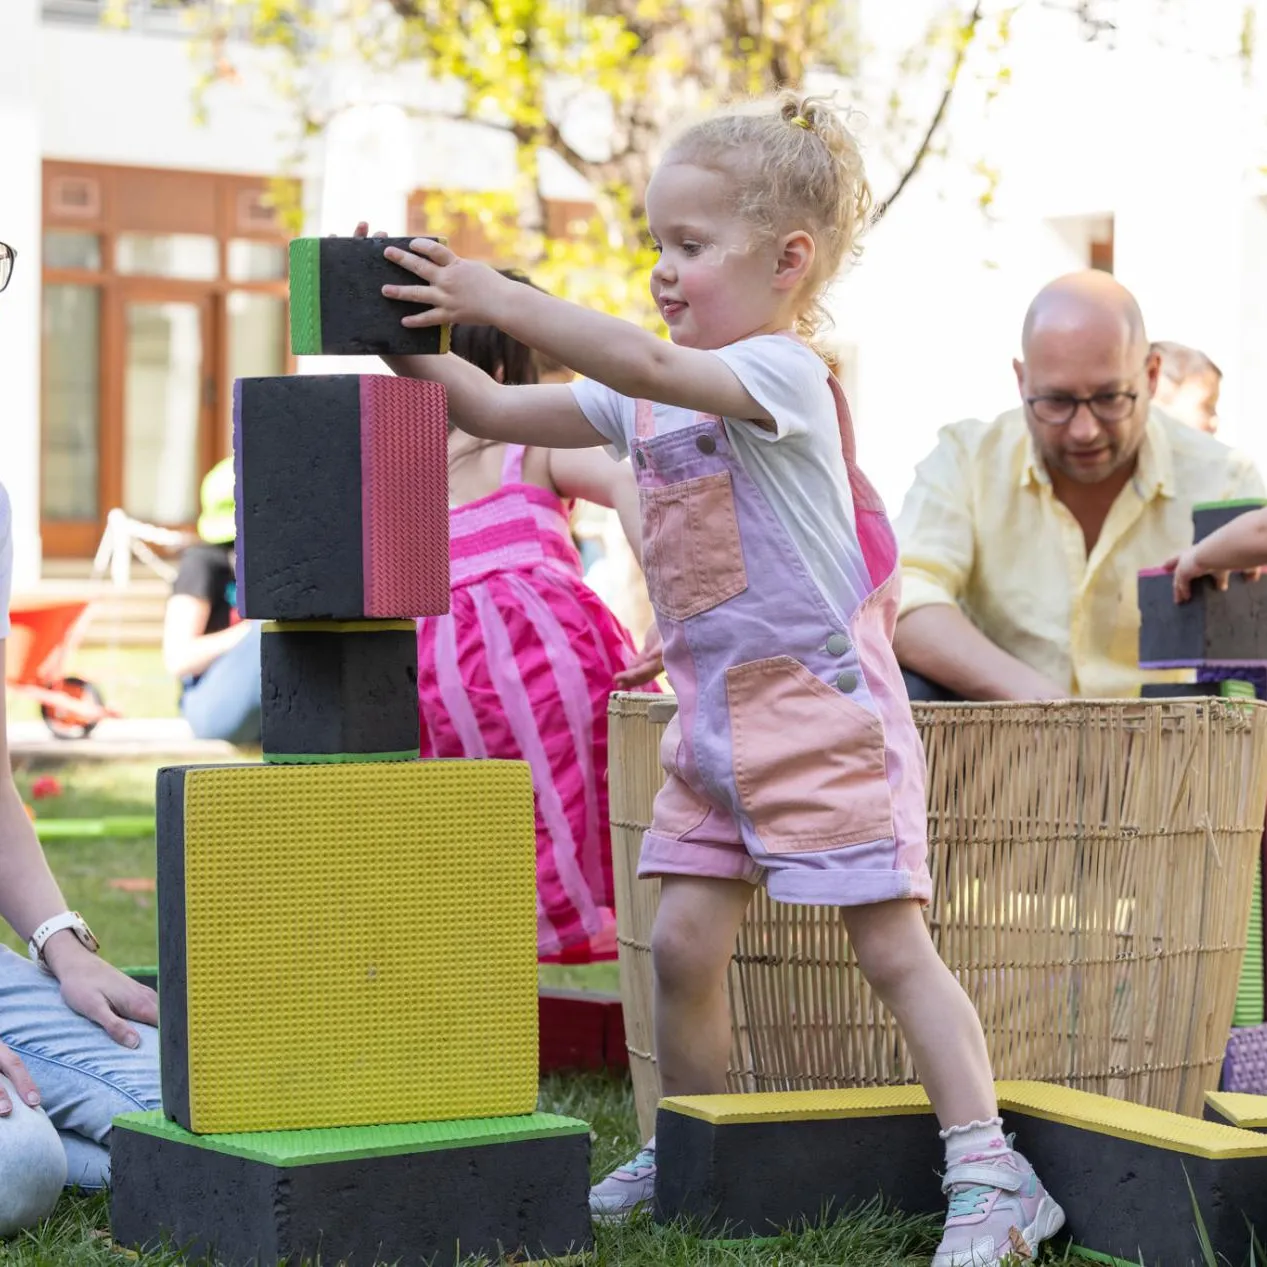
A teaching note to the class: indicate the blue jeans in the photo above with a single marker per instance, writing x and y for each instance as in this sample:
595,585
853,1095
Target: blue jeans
225,702
85,1078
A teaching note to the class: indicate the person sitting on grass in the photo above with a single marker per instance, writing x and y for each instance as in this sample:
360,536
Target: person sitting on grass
1240,546
214,655
70,1058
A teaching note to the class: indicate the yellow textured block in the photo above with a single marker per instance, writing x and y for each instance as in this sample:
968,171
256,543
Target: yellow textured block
744,1108
357,944
1238,1108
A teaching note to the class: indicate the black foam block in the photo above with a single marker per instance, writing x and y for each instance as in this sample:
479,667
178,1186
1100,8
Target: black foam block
1214,626
1131,1200
297,451
173,1001
1211,516
337,302
234,1198
332,692
738,1178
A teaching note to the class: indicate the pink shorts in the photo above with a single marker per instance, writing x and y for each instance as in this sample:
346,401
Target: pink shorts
690,836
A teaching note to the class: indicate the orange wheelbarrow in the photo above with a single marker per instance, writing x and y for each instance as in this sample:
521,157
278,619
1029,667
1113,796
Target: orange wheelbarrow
42,637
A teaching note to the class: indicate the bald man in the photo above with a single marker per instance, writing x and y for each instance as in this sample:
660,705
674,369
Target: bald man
1021,538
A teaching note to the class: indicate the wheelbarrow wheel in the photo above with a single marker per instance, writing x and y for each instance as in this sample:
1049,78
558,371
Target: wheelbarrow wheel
66,725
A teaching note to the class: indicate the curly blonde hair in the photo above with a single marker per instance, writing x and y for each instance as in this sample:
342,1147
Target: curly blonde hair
796,165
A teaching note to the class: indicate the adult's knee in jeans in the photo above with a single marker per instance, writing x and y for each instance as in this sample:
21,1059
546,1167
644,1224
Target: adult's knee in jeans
32,1167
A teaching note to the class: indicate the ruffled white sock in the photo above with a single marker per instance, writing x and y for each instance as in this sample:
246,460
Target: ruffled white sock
976,1139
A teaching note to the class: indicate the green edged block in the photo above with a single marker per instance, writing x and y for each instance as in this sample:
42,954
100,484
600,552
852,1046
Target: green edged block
429,1192
305,297
1208,517
1249,990
336,758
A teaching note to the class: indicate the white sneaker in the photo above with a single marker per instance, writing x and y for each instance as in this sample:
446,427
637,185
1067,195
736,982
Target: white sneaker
626,1189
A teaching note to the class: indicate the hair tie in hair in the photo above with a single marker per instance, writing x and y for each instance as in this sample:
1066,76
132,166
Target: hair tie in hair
801,121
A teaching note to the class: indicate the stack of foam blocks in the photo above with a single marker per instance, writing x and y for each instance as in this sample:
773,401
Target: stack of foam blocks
347,934
1222,634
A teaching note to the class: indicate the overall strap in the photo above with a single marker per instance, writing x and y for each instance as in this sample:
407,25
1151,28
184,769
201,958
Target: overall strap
513,464
644,419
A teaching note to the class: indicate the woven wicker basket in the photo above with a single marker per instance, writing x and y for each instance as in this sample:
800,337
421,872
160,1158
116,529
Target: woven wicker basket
1092,868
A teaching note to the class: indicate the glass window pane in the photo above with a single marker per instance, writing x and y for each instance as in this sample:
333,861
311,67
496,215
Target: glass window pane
257,342
71,250
162,396
256,261
191,256
71,368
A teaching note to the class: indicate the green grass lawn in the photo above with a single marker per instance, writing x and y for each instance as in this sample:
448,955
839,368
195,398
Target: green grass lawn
122,914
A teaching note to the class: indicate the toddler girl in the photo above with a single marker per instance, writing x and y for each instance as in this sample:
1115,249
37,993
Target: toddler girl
793,760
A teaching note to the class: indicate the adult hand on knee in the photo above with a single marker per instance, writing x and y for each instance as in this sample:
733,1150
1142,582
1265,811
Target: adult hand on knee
11,1067
102,993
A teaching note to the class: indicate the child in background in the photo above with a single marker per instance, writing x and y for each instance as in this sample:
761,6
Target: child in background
794,760
522,665
1240,546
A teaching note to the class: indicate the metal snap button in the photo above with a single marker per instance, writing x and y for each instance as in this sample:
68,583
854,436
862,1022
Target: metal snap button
838,644
640,457
706,444
847,682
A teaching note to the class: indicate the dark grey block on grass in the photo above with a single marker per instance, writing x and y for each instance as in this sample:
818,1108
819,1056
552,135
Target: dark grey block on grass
1211,516
431,1194
756,1178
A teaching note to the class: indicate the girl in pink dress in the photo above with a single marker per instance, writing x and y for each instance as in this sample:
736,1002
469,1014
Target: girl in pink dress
522,665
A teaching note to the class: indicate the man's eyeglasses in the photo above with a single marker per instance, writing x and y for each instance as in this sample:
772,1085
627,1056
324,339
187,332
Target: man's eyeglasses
1106,407
7,256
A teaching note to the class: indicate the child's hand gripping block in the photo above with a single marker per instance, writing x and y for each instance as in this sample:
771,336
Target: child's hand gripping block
342,497
337,307
1226,627
346,945
339,692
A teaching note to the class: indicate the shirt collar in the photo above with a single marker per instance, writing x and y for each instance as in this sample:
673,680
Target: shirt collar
1154,472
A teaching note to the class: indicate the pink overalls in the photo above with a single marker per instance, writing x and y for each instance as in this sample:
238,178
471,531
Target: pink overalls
793,754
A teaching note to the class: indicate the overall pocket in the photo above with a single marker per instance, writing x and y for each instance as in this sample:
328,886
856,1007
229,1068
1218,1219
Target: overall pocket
691,552
809,761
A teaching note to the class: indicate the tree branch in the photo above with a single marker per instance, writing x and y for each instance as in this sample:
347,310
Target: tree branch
969,30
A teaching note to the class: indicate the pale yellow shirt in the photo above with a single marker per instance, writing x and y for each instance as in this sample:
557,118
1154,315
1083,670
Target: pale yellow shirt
982,528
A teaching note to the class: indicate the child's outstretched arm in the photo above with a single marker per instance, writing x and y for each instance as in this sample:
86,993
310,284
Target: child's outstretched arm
1240,546
617,353
586,475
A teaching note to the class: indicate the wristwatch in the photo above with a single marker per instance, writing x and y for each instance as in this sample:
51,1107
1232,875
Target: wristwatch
67,919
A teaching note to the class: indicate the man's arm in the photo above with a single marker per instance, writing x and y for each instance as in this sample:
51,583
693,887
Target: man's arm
933,636
940,642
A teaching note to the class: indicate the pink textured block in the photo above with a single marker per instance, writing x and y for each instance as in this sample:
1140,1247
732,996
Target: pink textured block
405,501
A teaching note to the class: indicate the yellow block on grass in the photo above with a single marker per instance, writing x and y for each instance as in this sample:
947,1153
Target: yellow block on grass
358,944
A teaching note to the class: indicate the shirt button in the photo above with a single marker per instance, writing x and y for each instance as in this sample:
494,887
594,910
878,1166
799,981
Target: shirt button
837,644
706,444
847,682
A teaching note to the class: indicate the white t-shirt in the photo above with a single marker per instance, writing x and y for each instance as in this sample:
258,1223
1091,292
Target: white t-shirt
6,560
798,466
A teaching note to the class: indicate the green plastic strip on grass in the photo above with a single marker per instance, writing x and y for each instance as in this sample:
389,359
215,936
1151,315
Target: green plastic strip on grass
336,758
134,828
305,297
346,1143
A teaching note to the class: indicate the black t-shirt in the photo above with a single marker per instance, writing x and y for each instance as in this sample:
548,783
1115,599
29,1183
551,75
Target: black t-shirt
206,572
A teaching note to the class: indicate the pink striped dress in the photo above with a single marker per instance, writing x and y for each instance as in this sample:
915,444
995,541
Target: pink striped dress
521,668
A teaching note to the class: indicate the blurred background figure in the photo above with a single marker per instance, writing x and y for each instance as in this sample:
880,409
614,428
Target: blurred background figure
1188,389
